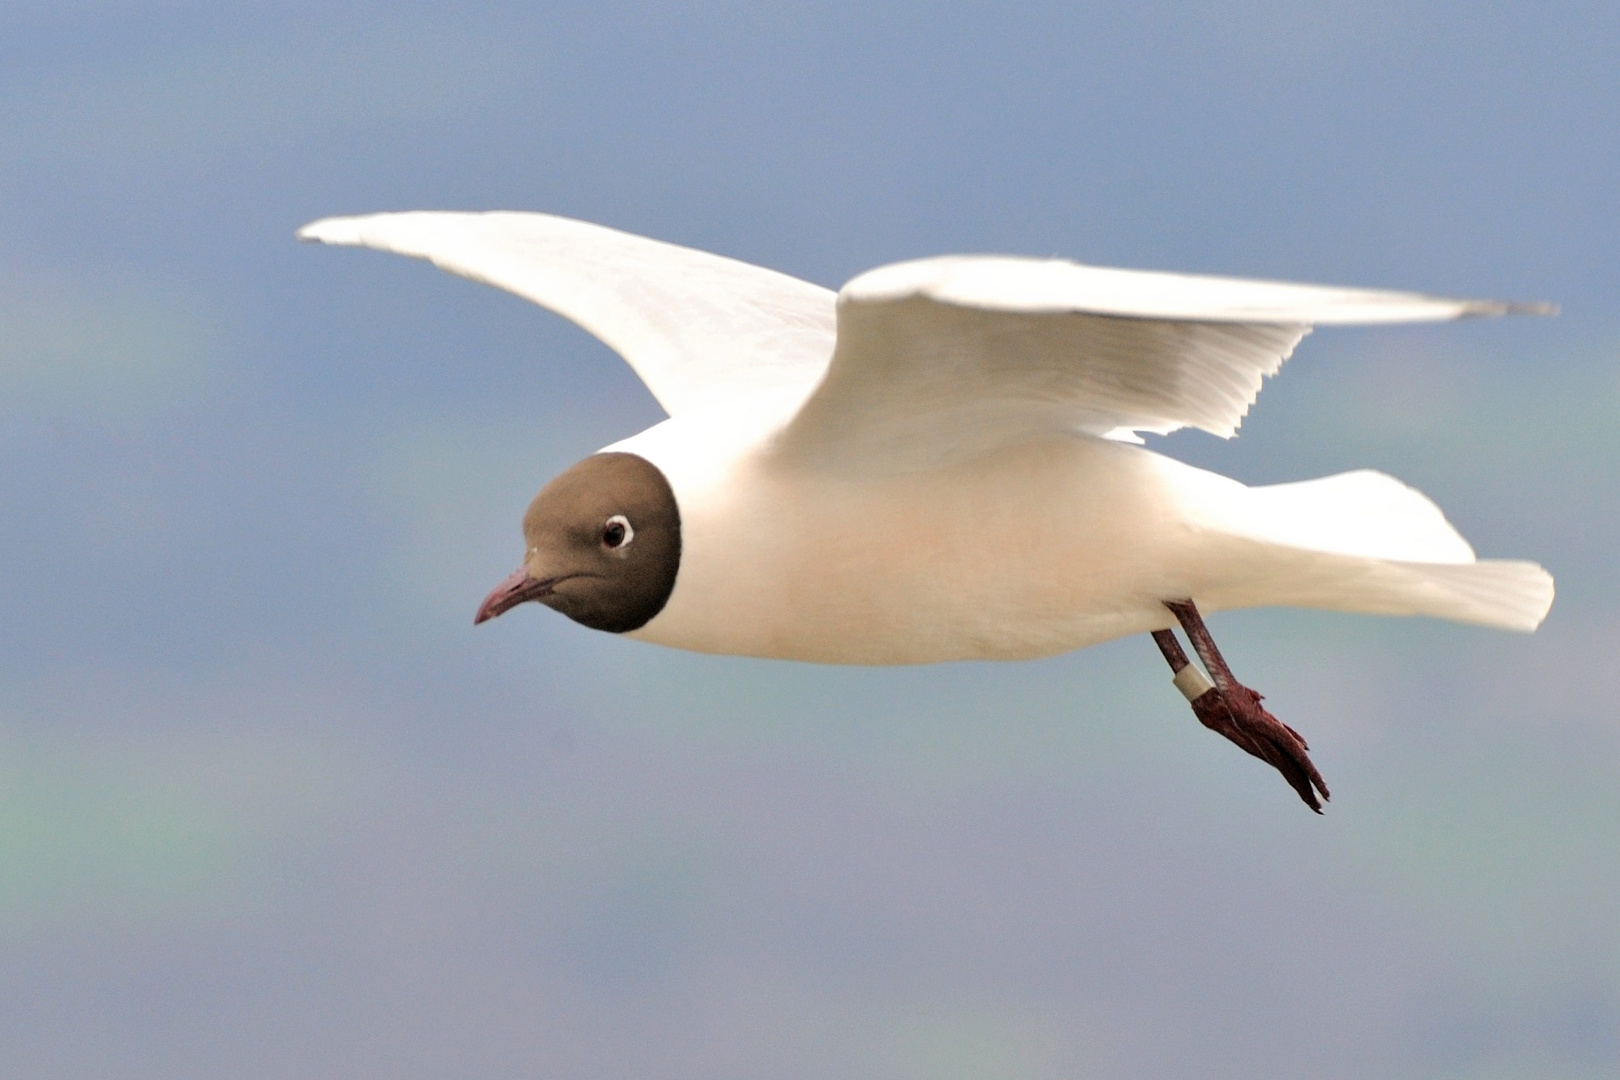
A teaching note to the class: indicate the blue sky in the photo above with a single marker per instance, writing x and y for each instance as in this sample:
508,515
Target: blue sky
270,806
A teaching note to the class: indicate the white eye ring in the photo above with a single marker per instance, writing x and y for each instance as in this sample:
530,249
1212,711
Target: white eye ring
626,532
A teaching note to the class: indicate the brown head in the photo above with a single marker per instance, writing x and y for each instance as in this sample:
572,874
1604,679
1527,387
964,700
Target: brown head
604,545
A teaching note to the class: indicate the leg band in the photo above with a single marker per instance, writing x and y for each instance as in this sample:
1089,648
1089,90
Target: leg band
1192,683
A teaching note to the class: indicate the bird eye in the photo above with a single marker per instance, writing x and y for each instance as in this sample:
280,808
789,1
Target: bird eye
617,532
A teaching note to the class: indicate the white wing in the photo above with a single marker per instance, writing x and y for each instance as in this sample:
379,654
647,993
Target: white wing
698,328
956,355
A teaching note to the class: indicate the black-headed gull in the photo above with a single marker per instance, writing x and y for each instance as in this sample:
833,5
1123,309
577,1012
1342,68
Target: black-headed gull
941,461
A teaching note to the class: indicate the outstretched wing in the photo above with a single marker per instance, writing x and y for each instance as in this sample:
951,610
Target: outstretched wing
956,355
699,329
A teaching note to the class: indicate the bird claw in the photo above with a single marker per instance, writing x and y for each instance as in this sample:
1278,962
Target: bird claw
1257,732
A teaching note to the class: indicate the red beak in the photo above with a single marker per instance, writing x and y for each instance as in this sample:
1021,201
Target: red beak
515,590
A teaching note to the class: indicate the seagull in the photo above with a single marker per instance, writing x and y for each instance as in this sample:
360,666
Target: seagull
943,461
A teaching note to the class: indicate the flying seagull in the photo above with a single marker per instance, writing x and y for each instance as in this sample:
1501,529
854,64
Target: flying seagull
942,461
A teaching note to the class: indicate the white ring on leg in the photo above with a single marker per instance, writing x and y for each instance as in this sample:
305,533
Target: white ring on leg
1192,683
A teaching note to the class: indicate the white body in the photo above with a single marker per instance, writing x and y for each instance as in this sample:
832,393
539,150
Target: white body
1033,550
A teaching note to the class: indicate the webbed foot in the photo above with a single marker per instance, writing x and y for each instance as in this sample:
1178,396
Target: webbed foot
1231,709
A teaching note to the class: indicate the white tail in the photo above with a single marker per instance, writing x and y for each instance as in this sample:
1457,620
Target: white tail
1507,593
1365,542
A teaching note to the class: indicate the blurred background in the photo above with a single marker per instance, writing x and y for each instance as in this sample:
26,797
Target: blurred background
271,807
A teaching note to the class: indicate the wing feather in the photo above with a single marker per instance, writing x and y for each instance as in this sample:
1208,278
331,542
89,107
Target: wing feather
699,329
957,355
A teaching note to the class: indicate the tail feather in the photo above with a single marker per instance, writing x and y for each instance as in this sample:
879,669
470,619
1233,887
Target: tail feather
1504,593
1507,593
